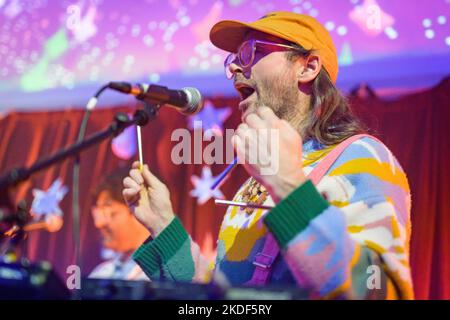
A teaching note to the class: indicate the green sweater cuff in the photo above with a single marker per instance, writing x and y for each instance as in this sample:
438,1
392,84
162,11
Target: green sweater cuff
150,254
293,214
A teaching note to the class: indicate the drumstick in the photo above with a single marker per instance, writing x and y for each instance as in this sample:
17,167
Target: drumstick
139,141
242,204
143,191
226,172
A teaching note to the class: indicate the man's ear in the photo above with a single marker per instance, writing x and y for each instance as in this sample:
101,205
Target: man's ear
311,66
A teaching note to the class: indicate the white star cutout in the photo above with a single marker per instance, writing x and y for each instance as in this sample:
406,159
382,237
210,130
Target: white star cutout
47,202
202,187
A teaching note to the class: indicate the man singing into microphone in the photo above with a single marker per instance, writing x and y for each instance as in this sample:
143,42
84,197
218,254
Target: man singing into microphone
345,236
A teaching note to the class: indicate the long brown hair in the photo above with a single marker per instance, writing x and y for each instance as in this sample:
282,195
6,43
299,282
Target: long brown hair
329,118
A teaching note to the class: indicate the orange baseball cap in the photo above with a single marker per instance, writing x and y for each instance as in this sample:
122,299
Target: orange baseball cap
296,28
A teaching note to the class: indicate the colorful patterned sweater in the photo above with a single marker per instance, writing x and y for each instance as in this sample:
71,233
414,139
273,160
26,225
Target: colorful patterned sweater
346,238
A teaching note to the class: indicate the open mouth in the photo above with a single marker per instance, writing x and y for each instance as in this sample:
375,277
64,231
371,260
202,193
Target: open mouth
244,90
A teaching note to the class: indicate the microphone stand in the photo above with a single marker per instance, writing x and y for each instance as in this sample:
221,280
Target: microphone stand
15,230
16,176
120,123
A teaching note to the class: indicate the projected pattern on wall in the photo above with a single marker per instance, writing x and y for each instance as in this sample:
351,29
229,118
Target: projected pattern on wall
62,44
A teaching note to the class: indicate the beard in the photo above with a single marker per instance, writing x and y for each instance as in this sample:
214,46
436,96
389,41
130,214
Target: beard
282,95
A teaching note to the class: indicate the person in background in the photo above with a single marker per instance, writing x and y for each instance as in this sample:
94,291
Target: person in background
119,229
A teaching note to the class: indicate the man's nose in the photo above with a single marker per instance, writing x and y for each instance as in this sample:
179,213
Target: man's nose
100,223
234,68
100,219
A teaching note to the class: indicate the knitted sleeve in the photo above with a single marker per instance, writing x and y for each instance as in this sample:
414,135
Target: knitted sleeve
172,255
349,236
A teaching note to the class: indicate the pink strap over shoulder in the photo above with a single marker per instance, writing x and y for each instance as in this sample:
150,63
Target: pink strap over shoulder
326,163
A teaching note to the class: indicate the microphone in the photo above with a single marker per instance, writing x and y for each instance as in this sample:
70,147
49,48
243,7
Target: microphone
51,223
187,100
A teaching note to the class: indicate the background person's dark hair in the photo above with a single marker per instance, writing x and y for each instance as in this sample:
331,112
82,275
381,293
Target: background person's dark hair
329,118
113,184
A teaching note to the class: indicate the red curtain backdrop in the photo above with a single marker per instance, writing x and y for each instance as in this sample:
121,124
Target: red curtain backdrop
414,127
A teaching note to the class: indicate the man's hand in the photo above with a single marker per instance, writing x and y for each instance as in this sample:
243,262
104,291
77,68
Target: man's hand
255,147
148,198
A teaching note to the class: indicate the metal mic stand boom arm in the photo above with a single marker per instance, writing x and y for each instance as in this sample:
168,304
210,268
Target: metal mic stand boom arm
121,122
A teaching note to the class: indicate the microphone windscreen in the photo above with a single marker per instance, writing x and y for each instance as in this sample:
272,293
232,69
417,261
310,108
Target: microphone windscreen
194,97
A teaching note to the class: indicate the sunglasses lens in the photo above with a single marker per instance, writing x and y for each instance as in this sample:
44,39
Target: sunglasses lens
246,54
244,57
229,60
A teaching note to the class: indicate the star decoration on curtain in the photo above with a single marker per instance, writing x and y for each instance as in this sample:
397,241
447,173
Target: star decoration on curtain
210,118
202,187
47,202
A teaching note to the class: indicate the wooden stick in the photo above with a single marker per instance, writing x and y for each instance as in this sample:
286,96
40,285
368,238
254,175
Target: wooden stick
139,141
242,204
225,173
